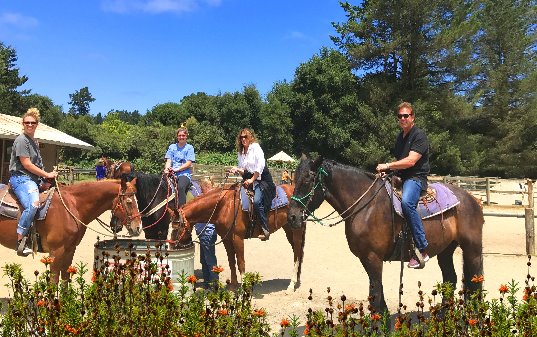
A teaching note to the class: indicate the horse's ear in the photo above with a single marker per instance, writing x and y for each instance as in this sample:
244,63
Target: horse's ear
317,163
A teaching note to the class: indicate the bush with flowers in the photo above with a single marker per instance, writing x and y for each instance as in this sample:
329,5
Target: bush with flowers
137,298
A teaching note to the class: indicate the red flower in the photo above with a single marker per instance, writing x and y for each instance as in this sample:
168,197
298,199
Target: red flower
72,270
47,260
284,323
41,303
192,279
259,313
218,269
349,308
472,321
503,289
397,324
478,279
375,317
223,312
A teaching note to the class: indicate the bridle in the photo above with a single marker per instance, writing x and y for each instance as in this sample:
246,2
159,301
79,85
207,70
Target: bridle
124,203
317,183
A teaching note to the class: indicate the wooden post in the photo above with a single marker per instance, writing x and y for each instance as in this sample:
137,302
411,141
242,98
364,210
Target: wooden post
530,221
71,175
488,192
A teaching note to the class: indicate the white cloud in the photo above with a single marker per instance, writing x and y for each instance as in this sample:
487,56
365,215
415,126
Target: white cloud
156,6
18,20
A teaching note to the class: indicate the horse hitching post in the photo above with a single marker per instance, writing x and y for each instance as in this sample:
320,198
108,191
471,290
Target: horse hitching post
530,222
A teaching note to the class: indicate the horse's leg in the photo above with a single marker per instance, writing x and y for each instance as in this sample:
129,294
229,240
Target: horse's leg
296,238
472,256
62,260
445,262
238,244
230,251
373,266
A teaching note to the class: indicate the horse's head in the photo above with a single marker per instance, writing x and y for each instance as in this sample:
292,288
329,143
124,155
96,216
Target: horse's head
309,191
125,209
181,228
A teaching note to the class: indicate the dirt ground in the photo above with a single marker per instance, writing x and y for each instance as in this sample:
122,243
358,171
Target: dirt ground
328,262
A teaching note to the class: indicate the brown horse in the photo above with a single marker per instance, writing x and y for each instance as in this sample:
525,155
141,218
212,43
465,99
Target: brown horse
117,169
73,207
222,207
364,204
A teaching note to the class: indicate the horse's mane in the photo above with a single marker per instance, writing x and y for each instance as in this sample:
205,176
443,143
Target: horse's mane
329,164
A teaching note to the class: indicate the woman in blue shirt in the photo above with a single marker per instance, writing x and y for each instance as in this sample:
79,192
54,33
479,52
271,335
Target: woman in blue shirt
179,159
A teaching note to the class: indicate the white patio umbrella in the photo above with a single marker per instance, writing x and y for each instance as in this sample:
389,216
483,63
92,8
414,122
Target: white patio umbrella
281,156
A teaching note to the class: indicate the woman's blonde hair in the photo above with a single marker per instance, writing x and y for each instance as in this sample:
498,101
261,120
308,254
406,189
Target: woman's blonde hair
32,112
251,136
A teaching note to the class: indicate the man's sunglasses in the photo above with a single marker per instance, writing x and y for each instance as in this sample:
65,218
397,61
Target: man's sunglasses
405,116
30,123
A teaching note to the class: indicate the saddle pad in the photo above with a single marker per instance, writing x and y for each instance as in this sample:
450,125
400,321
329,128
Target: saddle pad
9,206
445,199
279,200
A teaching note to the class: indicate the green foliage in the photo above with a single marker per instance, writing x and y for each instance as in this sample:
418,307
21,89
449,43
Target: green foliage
79,102
216,158
10,81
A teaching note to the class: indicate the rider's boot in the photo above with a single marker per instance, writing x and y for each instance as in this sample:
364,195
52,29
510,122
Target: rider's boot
266,233
22,247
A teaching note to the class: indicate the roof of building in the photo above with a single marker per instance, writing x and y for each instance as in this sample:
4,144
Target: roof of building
11,127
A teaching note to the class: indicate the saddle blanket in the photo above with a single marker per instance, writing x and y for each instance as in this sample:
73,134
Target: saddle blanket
444,200
9,206
279,200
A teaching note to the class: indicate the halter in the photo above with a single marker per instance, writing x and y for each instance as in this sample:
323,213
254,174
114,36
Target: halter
124,198
319,183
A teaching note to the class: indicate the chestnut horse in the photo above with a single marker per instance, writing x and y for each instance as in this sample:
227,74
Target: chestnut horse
71,208
117,169
222,207
364,204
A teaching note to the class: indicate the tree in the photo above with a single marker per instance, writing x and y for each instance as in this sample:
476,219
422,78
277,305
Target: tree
10,81
167,114
275,120
79,102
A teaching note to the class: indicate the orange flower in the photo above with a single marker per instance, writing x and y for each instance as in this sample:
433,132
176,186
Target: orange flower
259,313
503,289
223,312
218,269
72,270
397,324
41,303
478,279
349,308
284,323
307,330
375,317
192,279
47,260
94,276
472,321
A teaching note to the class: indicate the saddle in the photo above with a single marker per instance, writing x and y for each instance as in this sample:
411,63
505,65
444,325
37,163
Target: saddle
247,203
11,208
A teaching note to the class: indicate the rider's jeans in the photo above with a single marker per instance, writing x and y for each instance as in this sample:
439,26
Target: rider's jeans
409,204
259,207
27,192
207,236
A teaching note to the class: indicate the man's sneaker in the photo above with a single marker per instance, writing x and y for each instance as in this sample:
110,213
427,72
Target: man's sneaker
22,248
415,264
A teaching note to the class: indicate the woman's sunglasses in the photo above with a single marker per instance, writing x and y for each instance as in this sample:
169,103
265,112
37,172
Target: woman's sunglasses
243,137
30,123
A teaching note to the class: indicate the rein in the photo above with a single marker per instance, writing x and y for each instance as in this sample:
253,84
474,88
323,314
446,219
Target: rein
84,224
319,182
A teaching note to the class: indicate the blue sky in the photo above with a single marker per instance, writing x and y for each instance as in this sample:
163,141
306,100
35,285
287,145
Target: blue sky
134,54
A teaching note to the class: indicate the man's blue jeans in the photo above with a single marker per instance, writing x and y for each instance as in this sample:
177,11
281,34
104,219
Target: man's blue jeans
27,192
259,207
409,204
207,237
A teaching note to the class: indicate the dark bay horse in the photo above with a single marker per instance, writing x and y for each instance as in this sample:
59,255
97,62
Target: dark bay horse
73,207
365,205
221,207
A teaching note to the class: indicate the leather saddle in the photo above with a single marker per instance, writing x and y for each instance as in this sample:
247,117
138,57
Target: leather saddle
11,208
